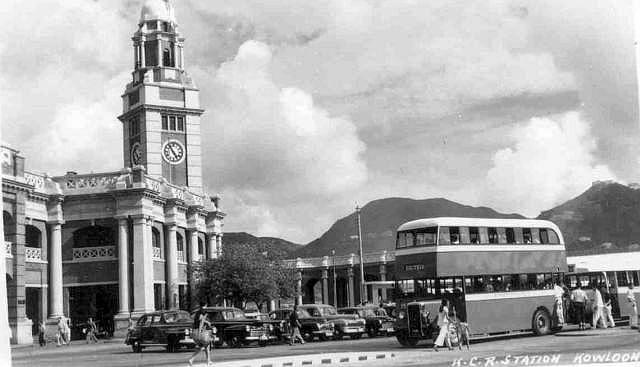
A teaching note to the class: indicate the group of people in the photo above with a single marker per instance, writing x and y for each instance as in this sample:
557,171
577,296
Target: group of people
601,306
63,332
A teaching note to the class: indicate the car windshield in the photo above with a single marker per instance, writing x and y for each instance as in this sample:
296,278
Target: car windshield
327,311
367,312
234,315
172,317
303,314
380,312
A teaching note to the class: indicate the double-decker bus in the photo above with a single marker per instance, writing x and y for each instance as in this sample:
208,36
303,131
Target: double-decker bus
498,274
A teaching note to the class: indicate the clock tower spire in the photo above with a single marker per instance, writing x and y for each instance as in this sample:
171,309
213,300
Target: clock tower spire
161,108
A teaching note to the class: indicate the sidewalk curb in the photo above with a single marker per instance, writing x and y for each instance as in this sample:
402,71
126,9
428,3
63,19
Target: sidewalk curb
321,359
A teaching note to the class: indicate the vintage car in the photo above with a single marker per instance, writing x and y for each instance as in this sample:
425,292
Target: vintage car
236,329
377,322
344,325
312,327
169,329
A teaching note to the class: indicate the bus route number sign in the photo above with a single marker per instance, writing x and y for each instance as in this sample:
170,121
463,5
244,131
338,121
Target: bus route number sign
414,267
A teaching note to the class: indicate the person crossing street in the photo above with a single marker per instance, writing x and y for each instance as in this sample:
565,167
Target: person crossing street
295,325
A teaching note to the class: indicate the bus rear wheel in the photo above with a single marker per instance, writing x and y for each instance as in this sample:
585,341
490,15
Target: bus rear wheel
541,322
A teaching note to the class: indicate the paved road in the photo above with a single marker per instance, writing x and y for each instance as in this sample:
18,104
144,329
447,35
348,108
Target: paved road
567,343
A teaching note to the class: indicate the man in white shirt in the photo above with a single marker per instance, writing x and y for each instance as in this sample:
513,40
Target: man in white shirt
579,298
558,293
631,298
598,308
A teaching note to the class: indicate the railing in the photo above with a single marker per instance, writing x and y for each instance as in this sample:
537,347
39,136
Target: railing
91,182
342,260
180,255
97,253
33,254
157,253
34,180
8,245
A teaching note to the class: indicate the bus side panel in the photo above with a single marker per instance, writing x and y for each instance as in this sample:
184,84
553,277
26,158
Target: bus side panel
499,314
625,306
500,262
416,266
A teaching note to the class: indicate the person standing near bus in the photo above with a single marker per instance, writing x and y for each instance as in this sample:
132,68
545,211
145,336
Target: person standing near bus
579,297
631,298
608,316
443,323
598,308
558,293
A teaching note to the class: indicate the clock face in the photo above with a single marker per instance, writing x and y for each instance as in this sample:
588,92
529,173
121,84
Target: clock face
173,152
136,154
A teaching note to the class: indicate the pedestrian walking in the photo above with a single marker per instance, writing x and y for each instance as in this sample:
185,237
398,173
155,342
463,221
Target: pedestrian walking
598,308
608,316
558,293
63,336
294,323
92,329
578,297
202,337
443,323
41,331
631,298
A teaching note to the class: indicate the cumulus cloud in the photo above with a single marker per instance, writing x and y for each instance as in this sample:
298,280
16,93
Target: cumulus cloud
275,139
551,160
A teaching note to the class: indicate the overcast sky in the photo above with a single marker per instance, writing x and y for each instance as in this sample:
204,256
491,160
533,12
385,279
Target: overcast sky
315,105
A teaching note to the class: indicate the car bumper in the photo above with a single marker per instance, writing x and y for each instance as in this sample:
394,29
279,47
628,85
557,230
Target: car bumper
261,338
189,340
323,332
353,329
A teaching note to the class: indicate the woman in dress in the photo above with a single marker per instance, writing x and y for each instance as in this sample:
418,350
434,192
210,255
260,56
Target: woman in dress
202,337
443,323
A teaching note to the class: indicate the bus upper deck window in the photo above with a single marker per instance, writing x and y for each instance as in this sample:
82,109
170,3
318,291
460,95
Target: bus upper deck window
544,236
511,235
454,235
444,237
474,235
553,236
426,236
535,235
464,235
493,235
526,235
502,235
484,235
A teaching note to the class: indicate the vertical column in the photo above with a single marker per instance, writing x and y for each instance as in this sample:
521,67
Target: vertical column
383,277
299,287
352,296
159,42
172,267
142,56
325,286
193,246
212,246
219,245
123,266
142,266
55,270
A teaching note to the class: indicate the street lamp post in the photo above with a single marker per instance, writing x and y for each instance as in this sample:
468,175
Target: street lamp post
363,286
335,278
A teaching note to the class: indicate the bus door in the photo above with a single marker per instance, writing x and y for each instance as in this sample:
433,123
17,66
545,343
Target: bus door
452,289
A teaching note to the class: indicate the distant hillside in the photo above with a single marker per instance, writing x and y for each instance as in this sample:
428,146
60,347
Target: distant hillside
276,247
380,219
605,218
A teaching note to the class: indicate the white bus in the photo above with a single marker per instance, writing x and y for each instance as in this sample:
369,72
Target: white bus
498,274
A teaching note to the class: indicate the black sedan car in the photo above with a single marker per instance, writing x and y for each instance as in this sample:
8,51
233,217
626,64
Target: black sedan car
236,329
377,322
312,327
169,329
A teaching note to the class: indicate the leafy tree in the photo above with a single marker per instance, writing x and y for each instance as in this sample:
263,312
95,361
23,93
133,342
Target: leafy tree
243,273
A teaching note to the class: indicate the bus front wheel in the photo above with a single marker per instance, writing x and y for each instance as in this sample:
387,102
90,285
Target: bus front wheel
541,322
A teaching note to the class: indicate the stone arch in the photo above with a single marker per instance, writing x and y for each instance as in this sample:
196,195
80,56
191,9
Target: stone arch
32,236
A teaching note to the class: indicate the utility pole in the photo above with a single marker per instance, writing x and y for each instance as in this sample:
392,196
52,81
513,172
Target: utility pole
363,286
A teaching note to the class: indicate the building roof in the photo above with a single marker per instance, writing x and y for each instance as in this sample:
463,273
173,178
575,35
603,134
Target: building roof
157,10
607,262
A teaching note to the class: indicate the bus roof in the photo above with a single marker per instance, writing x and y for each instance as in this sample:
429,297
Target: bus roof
477,222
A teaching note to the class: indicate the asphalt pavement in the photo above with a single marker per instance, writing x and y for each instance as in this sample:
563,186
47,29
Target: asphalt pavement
569,345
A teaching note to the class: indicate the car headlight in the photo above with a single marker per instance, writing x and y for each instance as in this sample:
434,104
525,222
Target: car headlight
270,327
214,330
401,315
187,331
247,328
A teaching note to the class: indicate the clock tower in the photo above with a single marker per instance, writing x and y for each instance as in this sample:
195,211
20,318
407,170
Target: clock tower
161,108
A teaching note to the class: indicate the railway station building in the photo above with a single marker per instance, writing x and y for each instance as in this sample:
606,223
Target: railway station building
114,244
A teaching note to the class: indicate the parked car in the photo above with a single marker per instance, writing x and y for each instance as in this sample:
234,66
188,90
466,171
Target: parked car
312,327
344,325
170,329
236,329
377,322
